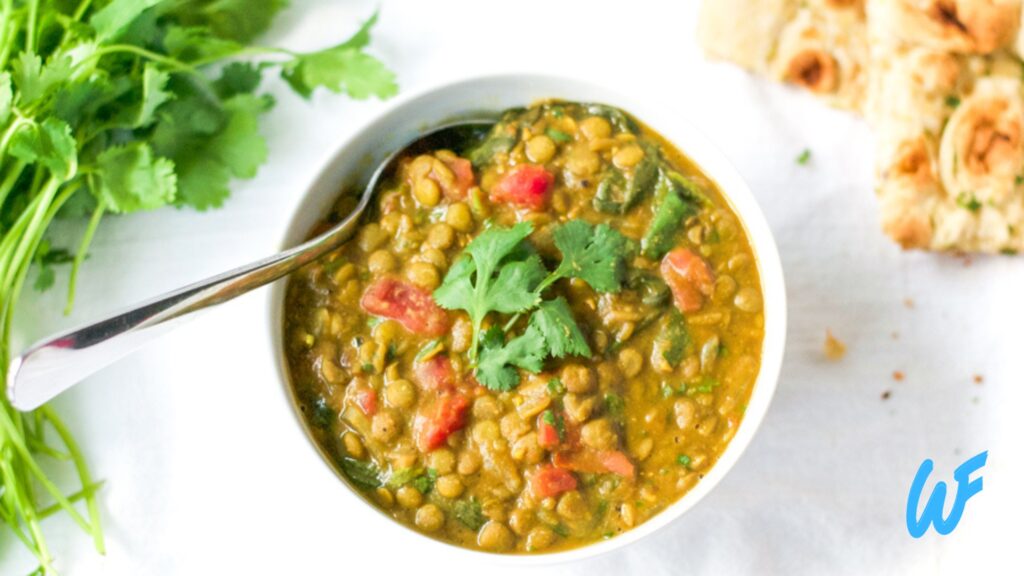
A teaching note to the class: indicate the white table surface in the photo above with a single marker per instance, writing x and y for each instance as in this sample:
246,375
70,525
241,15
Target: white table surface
207,472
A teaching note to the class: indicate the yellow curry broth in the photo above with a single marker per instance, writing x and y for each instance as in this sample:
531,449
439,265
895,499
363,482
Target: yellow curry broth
669,421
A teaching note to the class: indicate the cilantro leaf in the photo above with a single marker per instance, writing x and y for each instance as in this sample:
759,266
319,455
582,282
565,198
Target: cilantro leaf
344,68
497,366
471,284
130,179
593,254
154,94
553,319
50,144
36,81
45,278
238,20
237,78
189,43
205,165
113,18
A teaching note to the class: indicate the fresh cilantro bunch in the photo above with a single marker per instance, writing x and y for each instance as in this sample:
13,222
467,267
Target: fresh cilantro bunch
500,272
118,106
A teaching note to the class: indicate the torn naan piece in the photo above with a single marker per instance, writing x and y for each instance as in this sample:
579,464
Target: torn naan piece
962,26
950,148
820,45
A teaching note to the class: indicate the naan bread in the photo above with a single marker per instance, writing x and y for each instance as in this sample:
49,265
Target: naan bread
949,134
961,26
819,45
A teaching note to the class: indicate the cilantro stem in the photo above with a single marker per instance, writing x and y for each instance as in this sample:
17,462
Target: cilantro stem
30,27
7,29
83,474
80,11
83,248
245,52
130,49
13,173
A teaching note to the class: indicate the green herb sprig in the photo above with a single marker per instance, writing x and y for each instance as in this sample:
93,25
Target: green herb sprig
501,273
121,106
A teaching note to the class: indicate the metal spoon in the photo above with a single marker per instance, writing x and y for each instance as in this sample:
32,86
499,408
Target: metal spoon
55,364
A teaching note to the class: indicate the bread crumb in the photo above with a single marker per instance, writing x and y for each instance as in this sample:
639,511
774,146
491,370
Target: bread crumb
895,335
908,303
898,375
886,395
834,347
978,378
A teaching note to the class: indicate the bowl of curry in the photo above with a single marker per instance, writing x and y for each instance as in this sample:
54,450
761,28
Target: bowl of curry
547,338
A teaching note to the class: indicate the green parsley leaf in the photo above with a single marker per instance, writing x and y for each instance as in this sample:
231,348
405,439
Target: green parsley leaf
50,144
113,18
591,253
238,20
45,278
496,368
154,95
195,43
483,280
344,68
35,81
553,319
237,78
556,387
130,179
804,157
683,460
420,479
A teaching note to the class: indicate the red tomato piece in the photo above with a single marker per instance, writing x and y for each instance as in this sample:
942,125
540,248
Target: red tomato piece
595,462
690,278
464,179
436,421
436,374
366,399
550,481
410,305
526,186
547,435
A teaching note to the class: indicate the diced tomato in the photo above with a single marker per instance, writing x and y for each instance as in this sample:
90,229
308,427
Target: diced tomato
526,186
464,179
551,481
690,278
436,374
366,399
595,462
438,419
410,305
547,435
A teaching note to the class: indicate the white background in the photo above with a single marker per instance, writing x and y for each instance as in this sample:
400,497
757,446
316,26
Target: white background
207,472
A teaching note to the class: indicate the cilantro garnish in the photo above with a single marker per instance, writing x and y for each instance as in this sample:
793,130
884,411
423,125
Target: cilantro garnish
555,420
499,272
122,106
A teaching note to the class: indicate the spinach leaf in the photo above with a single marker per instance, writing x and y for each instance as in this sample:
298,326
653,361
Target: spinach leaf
362,473
469,513
669,216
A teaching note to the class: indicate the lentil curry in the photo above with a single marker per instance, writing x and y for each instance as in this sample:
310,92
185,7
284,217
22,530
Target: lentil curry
537,340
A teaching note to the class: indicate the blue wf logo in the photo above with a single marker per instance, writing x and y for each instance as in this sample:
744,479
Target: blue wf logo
932,513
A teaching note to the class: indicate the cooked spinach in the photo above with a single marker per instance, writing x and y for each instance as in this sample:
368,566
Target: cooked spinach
617,194
618,119
671,212
469,513
673,337
362,473
501,138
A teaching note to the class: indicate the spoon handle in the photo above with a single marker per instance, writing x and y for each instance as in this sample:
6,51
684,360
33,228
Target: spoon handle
55,364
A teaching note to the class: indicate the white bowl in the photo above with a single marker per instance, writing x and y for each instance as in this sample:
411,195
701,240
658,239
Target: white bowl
410,115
